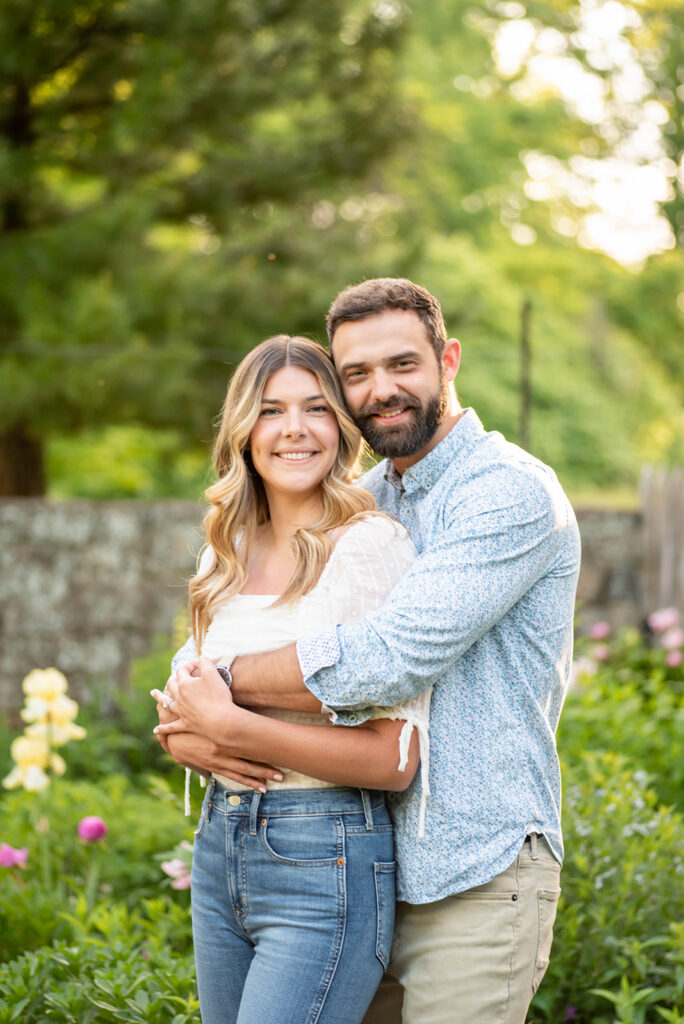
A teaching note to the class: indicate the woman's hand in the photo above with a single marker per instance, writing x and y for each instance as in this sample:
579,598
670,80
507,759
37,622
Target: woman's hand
163,710
202,703
206,757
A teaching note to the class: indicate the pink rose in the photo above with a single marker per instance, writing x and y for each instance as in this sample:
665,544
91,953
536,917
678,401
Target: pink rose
11,858
600,652
600,631
673,659
92,829
662,619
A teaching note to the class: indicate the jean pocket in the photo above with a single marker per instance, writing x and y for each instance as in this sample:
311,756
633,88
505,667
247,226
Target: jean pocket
301,841
547,904
385,900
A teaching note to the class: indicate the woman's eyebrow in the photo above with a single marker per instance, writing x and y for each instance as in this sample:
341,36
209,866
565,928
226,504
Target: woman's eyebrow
280,401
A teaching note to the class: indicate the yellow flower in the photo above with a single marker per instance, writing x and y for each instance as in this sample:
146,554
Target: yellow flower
54,720
31,755
46,683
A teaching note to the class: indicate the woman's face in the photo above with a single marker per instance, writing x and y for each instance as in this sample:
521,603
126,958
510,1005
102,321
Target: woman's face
295,440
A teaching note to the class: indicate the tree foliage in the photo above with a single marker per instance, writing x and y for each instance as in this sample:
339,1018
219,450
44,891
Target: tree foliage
151,155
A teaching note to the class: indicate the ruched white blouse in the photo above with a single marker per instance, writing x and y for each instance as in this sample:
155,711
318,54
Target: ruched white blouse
367,561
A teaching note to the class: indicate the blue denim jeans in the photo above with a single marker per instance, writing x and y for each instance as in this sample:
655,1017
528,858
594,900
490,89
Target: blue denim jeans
292,905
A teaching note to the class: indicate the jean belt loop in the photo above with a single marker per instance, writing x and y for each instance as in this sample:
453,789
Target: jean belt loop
533,845
367,809
256,798
211,796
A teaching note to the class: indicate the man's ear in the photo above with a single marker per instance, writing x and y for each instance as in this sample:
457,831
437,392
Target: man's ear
451,358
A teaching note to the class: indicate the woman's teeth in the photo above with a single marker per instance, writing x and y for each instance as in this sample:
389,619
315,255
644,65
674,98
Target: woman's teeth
295,456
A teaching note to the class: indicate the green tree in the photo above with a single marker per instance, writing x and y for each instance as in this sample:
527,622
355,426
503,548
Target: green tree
156,159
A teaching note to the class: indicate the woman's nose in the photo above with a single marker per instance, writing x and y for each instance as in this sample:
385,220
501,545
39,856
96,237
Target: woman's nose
293,423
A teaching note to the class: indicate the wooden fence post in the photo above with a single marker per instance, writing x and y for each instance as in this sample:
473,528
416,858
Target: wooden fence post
662,503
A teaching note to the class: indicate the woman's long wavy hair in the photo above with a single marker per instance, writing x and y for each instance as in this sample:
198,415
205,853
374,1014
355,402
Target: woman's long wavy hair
238,499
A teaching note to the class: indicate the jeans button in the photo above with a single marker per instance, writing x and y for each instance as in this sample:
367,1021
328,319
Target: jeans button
234,800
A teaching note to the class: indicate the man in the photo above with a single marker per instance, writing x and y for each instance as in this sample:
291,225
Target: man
484,615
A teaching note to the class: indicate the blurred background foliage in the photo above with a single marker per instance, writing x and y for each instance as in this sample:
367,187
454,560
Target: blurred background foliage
182,178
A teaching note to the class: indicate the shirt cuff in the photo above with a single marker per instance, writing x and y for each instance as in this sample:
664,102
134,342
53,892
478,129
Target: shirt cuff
317,652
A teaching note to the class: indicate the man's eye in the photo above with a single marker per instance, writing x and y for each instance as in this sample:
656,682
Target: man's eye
405,364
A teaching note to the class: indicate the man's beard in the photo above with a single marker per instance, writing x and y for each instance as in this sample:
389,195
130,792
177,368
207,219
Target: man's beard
406,438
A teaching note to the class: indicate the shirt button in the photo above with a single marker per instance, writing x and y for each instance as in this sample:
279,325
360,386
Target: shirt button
352,716
234,800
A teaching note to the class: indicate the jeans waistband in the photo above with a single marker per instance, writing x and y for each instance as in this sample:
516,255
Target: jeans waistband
297,801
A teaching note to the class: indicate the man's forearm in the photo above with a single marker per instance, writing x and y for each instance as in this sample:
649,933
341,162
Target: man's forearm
271,680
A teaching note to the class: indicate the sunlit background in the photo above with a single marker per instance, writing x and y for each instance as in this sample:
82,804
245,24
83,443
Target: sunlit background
177,187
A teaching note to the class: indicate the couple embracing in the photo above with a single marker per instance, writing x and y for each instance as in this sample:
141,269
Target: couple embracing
400,649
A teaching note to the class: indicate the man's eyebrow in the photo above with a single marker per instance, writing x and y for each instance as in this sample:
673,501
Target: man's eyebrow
394,358
280,401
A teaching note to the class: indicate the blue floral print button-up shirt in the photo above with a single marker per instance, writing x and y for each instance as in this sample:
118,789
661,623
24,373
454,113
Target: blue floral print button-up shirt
485,614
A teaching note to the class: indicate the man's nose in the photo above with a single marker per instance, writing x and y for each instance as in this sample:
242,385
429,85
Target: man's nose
383,386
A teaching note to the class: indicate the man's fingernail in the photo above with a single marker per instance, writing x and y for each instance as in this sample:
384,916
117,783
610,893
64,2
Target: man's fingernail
262,789
278,777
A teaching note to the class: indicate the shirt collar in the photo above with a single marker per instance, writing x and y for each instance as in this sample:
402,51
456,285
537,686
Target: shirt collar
455,446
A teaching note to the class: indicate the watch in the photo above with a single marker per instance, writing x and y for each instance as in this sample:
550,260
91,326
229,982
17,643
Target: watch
225,675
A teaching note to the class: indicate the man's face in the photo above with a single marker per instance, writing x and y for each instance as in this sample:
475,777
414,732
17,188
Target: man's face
393,383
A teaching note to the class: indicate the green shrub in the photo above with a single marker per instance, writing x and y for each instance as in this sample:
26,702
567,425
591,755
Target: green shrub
620,920
632,704
61,868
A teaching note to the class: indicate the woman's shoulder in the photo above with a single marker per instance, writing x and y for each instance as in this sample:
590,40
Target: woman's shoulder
371,528
206,559
374,541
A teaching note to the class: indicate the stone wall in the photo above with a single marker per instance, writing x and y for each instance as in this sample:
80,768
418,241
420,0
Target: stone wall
86,586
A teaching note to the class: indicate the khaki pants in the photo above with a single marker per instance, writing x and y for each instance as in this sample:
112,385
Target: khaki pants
477,957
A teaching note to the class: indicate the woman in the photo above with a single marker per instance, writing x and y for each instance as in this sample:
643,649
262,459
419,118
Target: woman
292,888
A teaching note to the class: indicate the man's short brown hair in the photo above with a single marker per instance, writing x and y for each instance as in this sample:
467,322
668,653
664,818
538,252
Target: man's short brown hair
370,298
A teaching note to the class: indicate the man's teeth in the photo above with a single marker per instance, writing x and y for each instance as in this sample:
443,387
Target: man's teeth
295,456
390,415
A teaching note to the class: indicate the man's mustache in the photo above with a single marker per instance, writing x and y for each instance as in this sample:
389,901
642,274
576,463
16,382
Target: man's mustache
379,407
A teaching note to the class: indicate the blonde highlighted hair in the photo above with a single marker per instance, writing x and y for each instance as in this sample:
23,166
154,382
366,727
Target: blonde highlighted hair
238,499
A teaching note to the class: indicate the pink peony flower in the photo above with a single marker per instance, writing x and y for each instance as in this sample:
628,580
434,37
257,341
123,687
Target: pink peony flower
600,631
92,829
600,652
179,871
181,883
662,619
11,858
673,659
672,638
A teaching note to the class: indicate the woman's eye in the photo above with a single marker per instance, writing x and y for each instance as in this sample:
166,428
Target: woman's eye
319,409
269,411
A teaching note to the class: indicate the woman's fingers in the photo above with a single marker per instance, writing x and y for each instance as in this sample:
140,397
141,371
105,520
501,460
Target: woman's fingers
166,728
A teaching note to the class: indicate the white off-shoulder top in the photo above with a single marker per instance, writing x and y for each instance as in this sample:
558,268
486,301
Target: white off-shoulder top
367,561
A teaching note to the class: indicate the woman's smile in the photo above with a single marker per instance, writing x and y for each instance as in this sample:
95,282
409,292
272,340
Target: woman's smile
295,440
